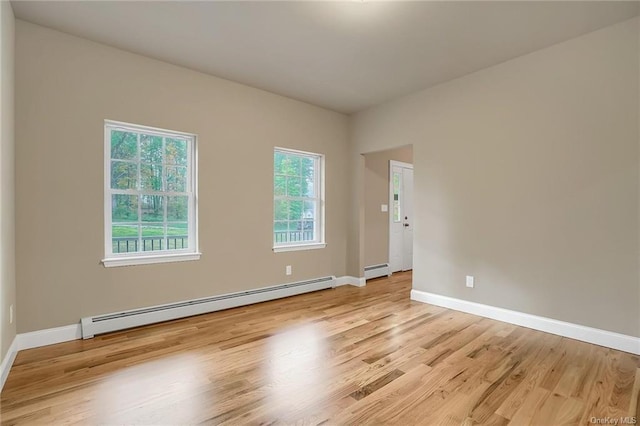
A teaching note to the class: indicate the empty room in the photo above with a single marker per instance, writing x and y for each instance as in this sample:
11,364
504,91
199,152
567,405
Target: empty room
319,212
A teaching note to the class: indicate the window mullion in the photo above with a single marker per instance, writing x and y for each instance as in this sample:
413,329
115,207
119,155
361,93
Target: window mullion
165,198
189,191
109,201
145,192
138,188
317,217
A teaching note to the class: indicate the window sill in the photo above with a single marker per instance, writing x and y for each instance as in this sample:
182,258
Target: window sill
147,260
298,247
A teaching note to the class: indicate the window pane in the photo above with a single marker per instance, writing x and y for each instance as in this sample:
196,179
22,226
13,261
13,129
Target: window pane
280,230
308,230
286,164
308,188
177,236
396,197
293,164
281,210
124,208
152,208
295,231
150,149
295,210
151,177
396,211
309,211
124,175
175,151
124,145
278,160
124,238
176,179
279,185
294,187
396,182
153,238
177,208
308,166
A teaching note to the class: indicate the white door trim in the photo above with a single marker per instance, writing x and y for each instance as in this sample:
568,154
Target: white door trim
393,163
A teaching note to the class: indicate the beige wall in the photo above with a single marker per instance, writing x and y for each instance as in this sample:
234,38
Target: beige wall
526,176
65,88
7,178
376,192
355,236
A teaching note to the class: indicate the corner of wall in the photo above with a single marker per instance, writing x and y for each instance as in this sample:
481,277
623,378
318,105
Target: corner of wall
7,184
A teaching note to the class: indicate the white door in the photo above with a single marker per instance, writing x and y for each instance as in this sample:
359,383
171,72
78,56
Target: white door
401,216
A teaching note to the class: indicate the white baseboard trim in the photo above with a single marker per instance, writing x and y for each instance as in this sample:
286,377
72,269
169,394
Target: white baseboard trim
36,339
355,281
7,362
596,336
49,336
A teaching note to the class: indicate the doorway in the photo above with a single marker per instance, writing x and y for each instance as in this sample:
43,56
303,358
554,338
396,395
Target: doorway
401,216
378,209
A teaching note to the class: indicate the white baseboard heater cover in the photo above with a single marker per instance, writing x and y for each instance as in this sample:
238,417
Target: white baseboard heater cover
138,317
375,271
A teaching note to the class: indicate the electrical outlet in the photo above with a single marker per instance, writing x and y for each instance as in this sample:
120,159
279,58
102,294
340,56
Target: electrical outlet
288,270
470,281
11,314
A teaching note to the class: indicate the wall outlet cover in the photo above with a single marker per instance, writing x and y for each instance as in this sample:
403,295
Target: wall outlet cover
469,281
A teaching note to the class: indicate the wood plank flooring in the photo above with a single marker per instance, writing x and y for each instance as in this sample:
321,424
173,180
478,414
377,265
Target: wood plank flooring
346,356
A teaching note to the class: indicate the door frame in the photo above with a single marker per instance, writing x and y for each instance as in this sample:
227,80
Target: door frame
393,163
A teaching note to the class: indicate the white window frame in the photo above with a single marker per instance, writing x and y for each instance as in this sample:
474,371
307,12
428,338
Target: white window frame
161,256
319,223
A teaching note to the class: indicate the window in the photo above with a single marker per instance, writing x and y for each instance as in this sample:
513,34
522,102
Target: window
396,196
150,195
298,200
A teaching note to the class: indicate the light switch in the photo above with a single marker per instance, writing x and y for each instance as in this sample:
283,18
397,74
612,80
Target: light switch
384,208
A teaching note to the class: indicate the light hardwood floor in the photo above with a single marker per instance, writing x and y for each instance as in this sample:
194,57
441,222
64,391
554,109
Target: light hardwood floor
342,356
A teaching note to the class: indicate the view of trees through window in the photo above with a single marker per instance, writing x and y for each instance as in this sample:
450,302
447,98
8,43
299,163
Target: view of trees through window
149,193
296,198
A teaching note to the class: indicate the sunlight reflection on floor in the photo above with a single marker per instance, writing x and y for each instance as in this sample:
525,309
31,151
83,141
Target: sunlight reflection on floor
140,394
296,367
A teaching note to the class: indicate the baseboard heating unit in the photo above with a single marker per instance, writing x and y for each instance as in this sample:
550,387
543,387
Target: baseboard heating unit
137,317
375,271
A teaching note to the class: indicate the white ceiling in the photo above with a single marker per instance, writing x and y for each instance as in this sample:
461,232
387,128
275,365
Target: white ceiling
344,56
